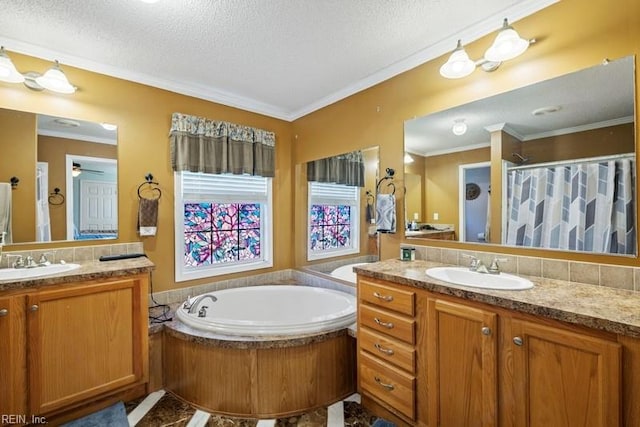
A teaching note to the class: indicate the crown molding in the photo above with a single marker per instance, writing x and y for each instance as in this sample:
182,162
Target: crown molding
220,96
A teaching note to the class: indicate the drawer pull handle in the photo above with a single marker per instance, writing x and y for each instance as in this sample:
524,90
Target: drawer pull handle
386,298
518,341
389,387
486,331
387,325
4,312
381,349
34,308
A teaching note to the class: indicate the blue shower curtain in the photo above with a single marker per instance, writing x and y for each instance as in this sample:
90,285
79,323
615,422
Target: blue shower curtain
582,206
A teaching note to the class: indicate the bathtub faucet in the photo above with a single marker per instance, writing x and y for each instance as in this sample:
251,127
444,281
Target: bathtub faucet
194,305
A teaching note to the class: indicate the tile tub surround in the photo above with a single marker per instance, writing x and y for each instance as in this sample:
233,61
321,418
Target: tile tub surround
599,307
88,270
608,275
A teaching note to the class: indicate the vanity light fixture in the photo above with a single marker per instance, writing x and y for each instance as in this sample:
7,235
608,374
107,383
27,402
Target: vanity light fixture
507,45
458,65
459,127
8,72
53,79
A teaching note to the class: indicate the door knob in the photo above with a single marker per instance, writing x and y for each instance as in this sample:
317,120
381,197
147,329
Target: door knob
486,330
518,341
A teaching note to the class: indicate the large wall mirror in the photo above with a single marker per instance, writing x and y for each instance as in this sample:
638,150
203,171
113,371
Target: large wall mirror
67,185
550,165
340,213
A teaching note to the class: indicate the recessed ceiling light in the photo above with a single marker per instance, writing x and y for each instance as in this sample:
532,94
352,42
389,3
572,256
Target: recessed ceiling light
459,127
546,110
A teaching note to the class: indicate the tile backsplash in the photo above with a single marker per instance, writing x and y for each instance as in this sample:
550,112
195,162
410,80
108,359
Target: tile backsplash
75,253
613,276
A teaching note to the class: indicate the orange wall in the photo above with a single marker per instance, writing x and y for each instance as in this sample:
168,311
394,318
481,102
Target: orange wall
18,158
571,34
442,190
53,151
143,116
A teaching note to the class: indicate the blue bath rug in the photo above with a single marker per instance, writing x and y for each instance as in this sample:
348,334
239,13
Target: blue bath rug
381,422
113,416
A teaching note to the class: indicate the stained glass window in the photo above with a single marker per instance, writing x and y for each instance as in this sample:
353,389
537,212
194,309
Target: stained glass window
330,227
221,232
333,220
224,224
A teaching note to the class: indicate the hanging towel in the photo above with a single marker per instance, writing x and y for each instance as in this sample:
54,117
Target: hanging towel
386,213
5,212
147,216
369,213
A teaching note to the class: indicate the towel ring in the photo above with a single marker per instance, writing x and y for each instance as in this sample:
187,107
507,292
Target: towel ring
150,182
56,198
370,196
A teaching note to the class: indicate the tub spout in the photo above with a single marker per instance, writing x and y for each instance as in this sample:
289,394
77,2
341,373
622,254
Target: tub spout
194,305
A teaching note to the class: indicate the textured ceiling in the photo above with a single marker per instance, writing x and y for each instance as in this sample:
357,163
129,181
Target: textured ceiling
282,58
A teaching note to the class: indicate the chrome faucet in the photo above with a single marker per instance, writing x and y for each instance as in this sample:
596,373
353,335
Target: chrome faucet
478,266
191,307
494,268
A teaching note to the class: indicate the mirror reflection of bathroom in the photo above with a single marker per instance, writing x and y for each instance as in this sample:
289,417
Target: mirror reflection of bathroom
475,188
341,217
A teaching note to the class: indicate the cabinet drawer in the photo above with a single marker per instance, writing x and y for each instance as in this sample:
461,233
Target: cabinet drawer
391,350
395,325
388,297
387,384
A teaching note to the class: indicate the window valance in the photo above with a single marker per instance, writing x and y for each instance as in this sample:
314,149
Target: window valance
346,169
210,146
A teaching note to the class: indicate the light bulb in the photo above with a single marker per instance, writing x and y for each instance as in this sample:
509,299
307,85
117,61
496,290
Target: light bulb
459,127
458,65
8,72
55,80
507,45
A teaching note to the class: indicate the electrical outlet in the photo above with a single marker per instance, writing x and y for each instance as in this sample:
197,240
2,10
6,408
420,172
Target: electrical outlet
436,216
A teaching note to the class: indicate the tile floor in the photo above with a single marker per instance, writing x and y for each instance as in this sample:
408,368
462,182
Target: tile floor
163,409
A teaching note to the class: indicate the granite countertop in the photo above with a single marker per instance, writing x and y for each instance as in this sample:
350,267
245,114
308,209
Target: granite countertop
88,270
599,307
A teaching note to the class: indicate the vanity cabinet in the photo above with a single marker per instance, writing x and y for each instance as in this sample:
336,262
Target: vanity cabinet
473,364
461,364
562,376
387,339
74,344
13,356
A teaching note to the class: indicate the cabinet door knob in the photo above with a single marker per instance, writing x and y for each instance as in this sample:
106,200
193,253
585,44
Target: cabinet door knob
34,307
4,312
387,298
486,330
385,385
381,349
518,341
387,325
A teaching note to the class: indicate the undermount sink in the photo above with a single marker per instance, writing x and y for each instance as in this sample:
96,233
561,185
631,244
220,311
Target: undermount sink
465,277
27,273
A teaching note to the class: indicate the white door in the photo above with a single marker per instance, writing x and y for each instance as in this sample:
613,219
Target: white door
98,206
